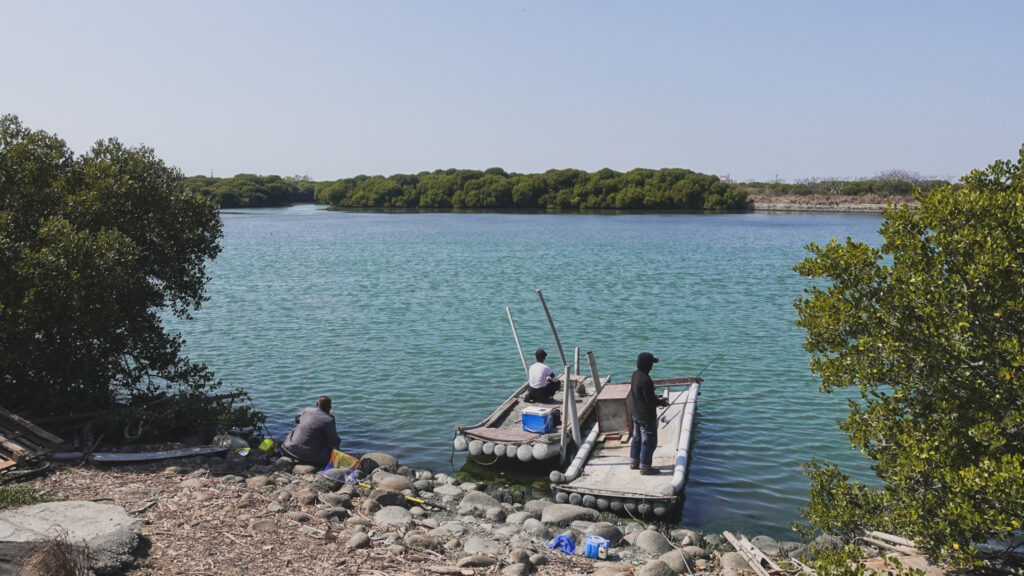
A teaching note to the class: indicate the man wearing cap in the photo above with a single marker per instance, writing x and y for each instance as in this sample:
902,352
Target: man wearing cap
315,436
643,405
543,382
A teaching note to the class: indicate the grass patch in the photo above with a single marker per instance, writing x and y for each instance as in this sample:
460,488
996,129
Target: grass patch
12,496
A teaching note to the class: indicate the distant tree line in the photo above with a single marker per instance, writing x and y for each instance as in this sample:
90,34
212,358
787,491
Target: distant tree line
252,191
667,188
638,189
889,183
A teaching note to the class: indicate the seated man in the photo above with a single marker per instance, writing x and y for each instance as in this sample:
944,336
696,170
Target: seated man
543,382
315,436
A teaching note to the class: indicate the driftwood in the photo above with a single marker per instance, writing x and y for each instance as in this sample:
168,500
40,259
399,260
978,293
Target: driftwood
22,441
761,564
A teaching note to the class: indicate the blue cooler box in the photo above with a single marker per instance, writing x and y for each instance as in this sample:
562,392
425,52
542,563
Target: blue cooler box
593,545
537,419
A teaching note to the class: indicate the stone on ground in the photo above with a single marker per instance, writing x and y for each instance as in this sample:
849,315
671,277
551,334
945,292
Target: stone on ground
565,514
107,530
653,542
374,460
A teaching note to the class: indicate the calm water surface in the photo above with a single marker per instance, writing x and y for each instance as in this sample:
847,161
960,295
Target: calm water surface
401,319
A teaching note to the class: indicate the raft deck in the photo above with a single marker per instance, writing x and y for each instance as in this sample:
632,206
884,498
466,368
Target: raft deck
606,480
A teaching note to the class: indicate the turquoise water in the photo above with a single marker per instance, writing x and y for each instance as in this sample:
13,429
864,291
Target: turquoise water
401,319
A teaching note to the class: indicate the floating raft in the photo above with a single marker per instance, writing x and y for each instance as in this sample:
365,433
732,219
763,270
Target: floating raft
600,477
502,435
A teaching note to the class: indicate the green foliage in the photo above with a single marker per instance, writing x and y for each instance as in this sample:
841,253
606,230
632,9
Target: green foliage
891,183
929,328
495,189
93,250
252,191
14,496
849,561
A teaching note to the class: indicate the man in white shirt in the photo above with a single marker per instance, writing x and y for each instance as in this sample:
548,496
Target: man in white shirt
543,382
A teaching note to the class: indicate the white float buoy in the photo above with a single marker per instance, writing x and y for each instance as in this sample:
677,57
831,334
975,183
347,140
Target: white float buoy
524,453
460,443
660,510
543,451
476,447
488,448
561,497
499,449
556,477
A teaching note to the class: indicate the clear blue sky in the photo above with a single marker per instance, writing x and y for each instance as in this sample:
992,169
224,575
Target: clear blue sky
750,89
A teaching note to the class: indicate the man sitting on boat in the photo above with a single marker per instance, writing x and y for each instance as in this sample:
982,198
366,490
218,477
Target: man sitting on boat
643,405
543,382
315,436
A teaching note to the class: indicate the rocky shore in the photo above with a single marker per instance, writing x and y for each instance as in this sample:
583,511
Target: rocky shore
823,203
257,515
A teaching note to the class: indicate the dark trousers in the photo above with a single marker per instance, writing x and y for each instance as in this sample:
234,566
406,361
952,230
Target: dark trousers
645,440
542,394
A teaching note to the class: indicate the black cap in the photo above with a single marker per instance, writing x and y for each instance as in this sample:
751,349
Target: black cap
645,360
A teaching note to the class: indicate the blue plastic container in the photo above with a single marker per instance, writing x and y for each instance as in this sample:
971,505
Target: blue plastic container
593,545
537,419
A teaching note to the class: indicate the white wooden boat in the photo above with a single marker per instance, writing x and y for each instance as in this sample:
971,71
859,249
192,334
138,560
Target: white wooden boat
503,436
599,476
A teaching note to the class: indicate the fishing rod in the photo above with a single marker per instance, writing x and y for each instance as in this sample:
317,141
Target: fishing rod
697,379
516,336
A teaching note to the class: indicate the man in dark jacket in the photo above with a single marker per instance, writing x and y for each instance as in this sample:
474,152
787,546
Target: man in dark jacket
643,405
315,436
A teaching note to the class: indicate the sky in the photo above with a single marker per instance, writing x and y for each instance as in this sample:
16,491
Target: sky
751,90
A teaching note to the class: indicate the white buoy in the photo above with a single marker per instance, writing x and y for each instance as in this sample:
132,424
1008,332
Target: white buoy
561,497
524,452
660,510
575,499
476,448
460,443
556,477
544,451
499,450
488,448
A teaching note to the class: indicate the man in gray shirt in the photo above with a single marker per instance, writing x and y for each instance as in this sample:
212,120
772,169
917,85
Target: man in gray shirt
315,436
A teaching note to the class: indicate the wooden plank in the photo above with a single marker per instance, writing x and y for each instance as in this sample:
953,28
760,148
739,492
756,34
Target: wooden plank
127,457
31,427
893,547
761,564
892,539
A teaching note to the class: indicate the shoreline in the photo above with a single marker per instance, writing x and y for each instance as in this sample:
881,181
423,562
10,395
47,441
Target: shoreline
823,203
257,515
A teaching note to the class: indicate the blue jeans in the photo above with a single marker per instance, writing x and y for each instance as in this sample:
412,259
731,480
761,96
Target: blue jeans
645,440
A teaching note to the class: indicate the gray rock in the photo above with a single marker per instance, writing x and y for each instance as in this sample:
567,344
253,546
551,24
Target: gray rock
297,516
517,569
282,495
337,499
476,561
374,460
656,568
478,545
232,479
606,530
455,528
430,522
504,533
284,463
536,528
468,486
565,514
422,485
370,506
800,551
336,512
303,469
695,552
359,521
257,482
387,481
393,516
735,561
174,470
768,546
448,492
276,507
634,527
263,525
421,541
537,506
713,541
517,518
677,561
682,534
360,540
396,549
105,529
388,498
305,497
520,539
538,559
519,556
653,542
612,570
193,483
477,502
495,514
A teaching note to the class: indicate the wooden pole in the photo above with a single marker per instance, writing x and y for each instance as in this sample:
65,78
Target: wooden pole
576,362
553,331
593,373
516,336
570,394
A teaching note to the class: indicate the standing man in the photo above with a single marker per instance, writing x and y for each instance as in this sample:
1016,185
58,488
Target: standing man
643,405
315,436
543,382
